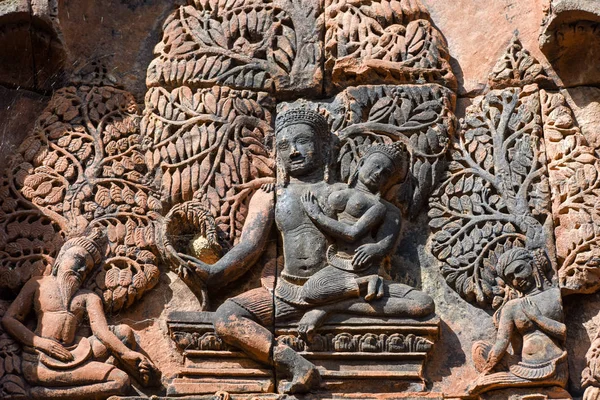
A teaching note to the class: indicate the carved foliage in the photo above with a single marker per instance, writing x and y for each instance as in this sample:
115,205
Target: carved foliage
517,67
11,381
237,43
496,194
574,172
81,167
393,38
419,116
211,144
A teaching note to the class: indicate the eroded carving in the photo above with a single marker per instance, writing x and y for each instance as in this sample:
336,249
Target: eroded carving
496,195
383,42
517,68
82,167
56,361
533,312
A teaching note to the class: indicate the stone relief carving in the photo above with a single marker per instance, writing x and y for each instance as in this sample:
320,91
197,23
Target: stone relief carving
303,288
384,42
493,227
56,361
263,45
281,168
536,315
496,195
82,167
573,171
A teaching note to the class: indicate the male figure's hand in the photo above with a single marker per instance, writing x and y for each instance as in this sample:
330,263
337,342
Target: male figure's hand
311,205
53,349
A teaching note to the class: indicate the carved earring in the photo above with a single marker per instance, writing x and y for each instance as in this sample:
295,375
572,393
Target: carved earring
536,275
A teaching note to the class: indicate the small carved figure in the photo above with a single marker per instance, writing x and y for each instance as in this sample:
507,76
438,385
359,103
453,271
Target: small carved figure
57,362
303,155
363,239
533,324
590,376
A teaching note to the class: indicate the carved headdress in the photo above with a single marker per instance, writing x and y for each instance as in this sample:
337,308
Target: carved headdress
537,258
93,244
396,152
303,116
317,122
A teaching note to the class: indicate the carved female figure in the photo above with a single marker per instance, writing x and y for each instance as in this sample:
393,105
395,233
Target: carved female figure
362,241
533,324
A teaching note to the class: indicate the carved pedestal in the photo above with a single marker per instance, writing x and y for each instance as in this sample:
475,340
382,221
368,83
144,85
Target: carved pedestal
354,355
533,393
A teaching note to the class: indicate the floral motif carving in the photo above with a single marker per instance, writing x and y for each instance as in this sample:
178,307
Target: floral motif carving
82,167
574,170
240,44
496,194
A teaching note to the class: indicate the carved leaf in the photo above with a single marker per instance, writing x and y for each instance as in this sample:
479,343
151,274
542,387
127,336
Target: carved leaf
492,175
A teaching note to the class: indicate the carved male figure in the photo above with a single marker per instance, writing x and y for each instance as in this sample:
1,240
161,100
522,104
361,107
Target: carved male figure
532,323
303,156
58,363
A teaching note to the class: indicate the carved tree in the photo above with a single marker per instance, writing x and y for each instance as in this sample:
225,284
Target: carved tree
238,43
496,194
574,171
419,116
212,145
384,42
517,67
81,167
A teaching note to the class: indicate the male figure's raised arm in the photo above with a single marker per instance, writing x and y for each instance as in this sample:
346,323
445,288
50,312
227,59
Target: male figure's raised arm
261,214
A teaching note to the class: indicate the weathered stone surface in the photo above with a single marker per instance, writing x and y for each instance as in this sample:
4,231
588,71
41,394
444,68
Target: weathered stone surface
268,46
383,42
569,40
19,110
32,53
480,35
281,175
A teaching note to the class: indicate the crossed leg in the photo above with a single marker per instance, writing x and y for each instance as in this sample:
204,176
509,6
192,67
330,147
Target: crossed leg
92,381
238,327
